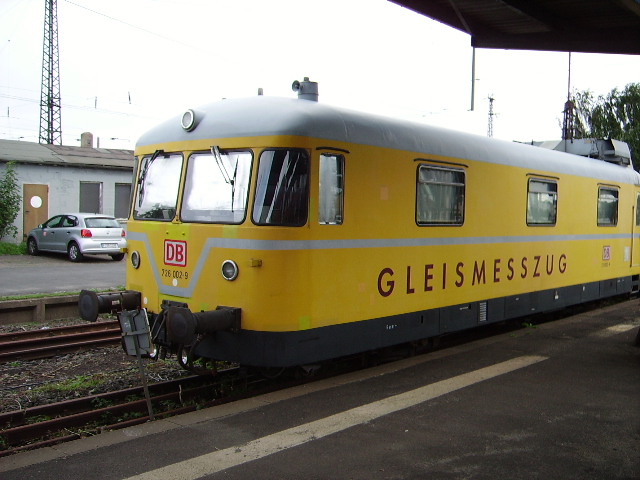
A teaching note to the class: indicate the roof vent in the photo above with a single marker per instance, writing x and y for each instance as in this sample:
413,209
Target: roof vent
306,90
609,150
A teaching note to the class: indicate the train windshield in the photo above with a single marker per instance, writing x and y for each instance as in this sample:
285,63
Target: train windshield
282,188
216,187
158,186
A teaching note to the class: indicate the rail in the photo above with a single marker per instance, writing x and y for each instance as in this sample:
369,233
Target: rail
34,344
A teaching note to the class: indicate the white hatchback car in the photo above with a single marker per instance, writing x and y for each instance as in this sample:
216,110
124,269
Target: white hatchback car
77,235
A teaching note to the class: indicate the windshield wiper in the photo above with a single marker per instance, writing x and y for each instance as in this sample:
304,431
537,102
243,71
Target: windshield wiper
143,175
215,151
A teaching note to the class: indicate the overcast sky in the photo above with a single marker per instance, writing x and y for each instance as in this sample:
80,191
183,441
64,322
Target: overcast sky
126,65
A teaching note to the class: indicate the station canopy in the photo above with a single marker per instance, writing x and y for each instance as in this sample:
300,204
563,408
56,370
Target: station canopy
593,26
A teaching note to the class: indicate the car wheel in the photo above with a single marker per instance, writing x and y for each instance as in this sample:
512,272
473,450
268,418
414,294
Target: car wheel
32,246
117,256
75,255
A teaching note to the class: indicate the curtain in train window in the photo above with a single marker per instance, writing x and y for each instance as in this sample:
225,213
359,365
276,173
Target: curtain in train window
440,196
282,188
331,189
216,187
607,207
542,202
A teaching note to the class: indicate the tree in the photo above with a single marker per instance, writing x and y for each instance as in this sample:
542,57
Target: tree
616,116
9,201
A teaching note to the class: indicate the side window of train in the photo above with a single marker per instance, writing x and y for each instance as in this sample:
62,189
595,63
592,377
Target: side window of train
542,202
607,206
440,196
282,188
331,189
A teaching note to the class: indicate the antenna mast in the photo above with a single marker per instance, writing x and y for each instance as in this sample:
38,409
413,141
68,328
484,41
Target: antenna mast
568,127
491,115
50,124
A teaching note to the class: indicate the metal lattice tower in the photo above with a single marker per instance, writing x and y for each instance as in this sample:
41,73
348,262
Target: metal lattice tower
491,115
50,123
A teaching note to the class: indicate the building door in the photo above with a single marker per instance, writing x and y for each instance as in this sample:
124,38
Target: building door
36,206
123,200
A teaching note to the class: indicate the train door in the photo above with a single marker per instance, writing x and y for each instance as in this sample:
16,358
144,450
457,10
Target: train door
635,237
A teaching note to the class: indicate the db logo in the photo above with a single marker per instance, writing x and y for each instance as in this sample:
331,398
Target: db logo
175,253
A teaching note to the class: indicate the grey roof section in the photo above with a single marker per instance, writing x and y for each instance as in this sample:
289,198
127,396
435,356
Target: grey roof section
266,116
598,26
39,154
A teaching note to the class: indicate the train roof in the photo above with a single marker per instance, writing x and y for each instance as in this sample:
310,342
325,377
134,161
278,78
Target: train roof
271,116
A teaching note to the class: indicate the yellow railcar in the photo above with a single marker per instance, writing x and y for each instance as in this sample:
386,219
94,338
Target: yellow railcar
280,232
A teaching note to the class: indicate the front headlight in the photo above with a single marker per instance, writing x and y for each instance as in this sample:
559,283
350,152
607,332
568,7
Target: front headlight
229,270
135,259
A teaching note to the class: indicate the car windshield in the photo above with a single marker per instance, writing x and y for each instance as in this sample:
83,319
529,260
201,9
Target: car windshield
101,223
158,185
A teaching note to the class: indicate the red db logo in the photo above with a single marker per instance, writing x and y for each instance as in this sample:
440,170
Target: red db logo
175,253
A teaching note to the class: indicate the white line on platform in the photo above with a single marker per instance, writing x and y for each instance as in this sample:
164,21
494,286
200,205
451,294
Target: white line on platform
613,330
230,457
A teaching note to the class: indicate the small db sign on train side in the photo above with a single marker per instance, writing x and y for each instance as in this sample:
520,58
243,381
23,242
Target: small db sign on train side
175,253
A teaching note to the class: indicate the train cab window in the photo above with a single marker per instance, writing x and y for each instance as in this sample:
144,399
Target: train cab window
331,189
216,187
542,202
282,188
158,184
440,196
607,206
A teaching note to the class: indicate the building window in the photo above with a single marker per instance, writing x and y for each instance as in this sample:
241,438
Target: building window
282,188
607,206
122,200
91,197
440,196
331,189
542,202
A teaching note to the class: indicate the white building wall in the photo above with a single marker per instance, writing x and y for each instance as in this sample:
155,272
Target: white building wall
64,188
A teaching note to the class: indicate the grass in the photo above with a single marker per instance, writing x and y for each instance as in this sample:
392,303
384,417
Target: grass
13,249
73,384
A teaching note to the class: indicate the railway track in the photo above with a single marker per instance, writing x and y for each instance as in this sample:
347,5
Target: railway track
60,422
43,343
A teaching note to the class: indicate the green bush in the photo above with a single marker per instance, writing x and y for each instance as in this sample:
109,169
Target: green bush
12,249
9,201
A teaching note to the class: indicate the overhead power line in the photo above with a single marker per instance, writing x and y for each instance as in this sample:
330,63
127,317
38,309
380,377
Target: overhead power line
134,26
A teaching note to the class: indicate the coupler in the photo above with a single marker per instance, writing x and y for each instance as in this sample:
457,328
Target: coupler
91,304
183,325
